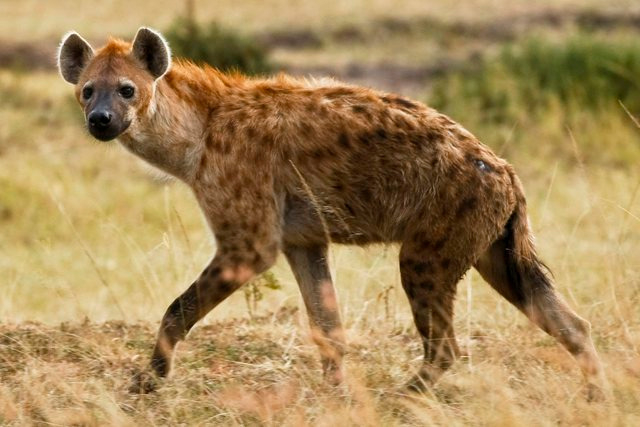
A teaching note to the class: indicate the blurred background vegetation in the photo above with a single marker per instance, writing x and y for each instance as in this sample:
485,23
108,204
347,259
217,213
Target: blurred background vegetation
210,43
87,232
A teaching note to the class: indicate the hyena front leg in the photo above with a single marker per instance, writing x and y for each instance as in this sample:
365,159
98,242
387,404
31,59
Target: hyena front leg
310,267
430,284
234,264
211,288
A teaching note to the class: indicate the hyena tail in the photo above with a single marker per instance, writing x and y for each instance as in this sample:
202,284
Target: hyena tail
511,264
512,268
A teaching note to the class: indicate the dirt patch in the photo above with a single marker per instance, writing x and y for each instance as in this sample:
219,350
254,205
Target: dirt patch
398,78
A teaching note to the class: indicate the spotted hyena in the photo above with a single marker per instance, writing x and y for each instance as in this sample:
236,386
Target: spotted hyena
289,165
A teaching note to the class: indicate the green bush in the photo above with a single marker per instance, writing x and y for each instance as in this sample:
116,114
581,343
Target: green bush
217,46
578,74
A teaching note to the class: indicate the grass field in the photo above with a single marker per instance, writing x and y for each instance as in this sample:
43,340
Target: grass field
94,245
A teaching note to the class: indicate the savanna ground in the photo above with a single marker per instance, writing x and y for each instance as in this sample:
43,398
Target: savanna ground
94,246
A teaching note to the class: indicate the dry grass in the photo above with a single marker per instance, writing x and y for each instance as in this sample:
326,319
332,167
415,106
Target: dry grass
93,248
265,371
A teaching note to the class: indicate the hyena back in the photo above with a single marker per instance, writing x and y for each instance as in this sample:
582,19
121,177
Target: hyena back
290,165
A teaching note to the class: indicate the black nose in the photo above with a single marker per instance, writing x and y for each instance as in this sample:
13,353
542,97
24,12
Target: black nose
99,119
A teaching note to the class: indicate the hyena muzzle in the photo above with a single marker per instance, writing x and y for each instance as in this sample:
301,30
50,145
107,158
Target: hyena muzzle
288,165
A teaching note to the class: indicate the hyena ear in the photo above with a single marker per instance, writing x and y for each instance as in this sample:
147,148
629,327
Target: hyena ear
152,50
73,55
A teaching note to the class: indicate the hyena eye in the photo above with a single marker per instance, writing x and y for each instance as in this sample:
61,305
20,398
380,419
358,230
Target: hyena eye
87,92
126,91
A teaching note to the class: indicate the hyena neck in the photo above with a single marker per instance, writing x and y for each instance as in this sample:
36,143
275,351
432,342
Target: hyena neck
170,134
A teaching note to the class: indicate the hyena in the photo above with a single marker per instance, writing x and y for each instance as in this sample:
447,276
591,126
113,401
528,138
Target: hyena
283,164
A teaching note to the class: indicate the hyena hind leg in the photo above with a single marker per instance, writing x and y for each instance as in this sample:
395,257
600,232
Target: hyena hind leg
429,280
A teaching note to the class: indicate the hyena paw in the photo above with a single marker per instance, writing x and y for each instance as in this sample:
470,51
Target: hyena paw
418,384
144,382
424,380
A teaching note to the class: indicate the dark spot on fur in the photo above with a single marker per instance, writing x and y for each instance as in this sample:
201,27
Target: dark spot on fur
420,237
318,153
237,191
422,267
306,129
226,286
365,139
433,136
343,140
263,108
406,104
235,258
360,109
339,92
406,264
445,263
466,206
416,139
423,245
180,307
381,133
348,207
251,132
311,106
426,285
257,259
218,145
423,302
231,247
439,244
267,141
210,272
203,161
365,194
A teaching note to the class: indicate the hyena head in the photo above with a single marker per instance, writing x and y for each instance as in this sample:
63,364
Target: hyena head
114,85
